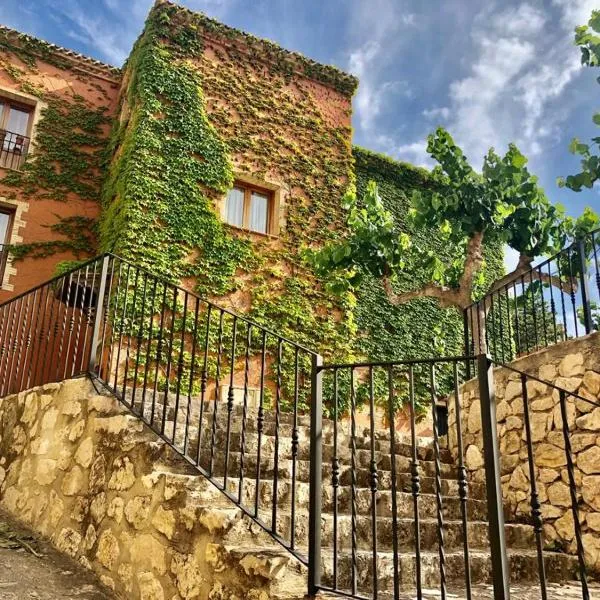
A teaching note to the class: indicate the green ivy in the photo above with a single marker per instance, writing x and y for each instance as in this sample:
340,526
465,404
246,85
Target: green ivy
420,328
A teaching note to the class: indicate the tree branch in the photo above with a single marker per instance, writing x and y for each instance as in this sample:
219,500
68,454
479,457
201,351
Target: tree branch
524,268
473,262
447,297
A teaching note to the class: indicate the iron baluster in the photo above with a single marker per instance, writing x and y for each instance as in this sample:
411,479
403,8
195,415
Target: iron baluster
572,293
203,382
159,343
415,480
373,480
536,513
573,493
260,420
191,379
130,329
463,487
562,299
180,367
213,438
335,478
277,424
552,305
585,288
295,444
125,293
230,399
244,411
438,483
148,345
394,490
353,482
168,368
139,343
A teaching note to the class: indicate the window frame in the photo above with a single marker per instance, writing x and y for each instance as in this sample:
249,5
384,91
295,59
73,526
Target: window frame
248,189
11,212
9,103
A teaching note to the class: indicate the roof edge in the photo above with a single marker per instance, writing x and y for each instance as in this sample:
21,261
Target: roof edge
42,48
327,74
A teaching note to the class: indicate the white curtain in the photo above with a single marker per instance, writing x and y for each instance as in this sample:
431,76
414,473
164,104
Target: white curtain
259,205
235,207
17,121
4,222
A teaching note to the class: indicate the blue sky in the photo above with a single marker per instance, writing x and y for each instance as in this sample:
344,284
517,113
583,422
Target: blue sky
490,71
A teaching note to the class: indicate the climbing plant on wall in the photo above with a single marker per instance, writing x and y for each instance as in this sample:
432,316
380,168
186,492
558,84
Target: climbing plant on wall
70,143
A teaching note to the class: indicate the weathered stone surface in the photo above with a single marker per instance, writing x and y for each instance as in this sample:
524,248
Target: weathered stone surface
148,552
188,577
513,389
71,408
581,441
150,587
68,541
545,403
589,490
590,421
123,475
46,471
164,522
513,422
108,549
30,409
593,520
548,475
571,414
591,381
547,372
503,410
589,460
565,526
571,365
548,455
74,482
116,508
558,494
519,479
137,511
83,456
473,458
49,419
98,507
474,418
76,430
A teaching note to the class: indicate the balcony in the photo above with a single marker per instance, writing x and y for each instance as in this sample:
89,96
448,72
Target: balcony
13,149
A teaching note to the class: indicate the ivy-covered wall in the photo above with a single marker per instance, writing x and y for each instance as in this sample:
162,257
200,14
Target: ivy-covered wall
201,105
56,193
419,329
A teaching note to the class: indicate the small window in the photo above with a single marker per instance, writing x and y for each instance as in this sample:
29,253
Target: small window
251,208
15,121
6,218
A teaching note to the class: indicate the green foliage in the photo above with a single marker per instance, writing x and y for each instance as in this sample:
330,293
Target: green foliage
465,211
595,308
587,37
70,146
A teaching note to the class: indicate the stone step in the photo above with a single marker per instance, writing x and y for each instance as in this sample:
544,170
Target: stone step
362,475
517,535
451,506
522,568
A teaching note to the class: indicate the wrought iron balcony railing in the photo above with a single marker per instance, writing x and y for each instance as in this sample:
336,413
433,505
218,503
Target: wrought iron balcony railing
13,149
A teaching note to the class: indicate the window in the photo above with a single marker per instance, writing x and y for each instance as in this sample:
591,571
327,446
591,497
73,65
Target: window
251,208
15,121
6,218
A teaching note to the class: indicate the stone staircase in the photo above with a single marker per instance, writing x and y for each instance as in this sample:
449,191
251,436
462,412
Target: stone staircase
520,539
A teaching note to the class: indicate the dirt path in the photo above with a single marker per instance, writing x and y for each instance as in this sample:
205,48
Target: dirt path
30,569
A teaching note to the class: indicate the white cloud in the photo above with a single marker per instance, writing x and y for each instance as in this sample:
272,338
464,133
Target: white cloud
414,153
376,25
440,113
522,67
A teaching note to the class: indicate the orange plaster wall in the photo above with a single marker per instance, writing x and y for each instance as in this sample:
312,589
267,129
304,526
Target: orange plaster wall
98,91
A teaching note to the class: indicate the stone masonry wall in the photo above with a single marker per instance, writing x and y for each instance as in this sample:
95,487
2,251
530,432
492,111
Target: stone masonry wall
574,366
77,468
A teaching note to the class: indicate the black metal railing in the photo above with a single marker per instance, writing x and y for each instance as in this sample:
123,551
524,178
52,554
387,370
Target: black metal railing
374,484
310,452
223,391
553,301
13,149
